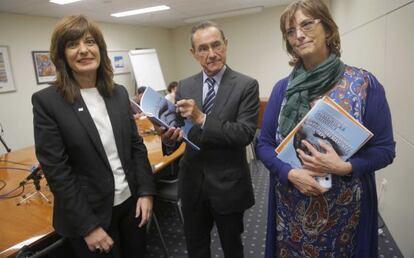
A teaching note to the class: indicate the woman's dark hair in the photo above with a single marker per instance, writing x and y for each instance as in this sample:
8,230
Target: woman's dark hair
72,28
317,10
141,89
171,86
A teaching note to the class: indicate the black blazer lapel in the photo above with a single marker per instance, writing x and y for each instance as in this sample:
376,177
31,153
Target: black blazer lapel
198,90
224,91
82,112
115,116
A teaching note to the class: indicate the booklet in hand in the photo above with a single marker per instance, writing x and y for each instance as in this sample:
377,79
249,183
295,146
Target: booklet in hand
163,113
328,122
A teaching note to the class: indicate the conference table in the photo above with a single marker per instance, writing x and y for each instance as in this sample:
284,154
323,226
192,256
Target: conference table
30,222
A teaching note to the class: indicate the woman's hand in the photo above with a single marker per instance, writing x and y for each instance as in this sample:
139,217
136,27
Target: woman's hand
99,240
328,162
144,209
304,181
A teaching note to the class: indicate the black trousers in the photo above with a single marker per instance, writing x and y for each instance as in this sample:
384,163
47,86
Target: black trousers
198,223
129,239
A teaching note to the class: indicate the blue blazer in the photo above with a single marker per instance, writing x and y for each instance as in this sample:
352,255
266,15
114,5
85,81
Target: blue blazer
376,154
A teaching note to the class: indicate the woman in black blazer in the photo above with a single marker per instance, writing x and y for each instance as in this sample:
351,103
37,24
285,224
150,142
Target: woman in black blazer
87,143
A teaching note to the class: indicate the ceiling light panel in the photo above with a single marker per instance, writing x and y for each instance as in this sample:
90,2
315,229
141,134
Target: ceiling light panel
62,2
141,11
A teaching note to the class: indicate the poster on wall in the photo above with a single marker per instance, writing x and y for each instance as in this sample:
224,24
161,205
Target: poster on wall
120,61
146,68
44,69
6,76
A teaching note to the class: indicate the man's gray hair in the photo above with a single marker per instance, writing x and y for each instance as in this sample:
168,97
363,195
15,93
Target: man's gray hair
204,25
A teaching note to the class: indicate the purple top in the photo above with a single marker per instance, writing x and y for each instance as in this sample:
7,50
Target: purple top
376,154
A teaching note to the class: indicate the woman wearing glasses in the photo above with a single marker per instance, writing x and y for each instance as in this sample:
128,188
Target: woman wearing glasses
305,219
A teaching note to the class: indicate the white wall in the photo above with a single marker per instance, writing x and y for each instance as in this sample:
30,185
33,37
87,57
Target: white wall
255,48
23,34
378,35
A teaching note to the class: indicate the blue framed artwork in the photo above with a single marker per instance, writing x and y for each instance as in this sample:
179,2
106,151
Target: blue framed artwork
120,61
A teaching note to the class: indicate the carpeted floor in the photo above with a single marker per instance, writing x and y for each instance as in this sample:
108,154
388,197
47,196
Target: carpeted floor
255,227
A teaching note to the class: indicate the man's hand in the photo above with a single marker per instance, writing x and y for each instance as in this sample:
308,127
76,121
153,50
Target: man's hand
170,136
304,181
144,208
139,115
328,162
188,109
99,240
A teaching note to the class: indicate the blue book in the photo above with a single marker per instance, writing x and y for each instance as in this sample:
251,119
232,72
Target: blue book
163,113
329,122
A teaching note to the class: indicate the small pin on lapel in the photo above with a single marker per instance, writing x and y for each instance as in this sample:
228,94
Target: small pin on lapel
80,109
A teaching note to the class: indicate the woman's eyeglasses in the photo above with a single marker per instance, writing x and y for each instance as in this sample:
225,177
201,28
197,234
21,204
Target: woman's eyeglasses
305,26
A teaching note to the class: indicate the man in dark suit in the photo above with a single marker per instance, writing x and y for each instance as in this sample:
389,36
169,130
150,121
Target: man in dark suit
215,183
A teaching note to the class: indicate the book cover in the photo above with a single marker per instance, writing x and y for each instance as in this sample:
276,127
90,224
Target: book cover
163,113
329,122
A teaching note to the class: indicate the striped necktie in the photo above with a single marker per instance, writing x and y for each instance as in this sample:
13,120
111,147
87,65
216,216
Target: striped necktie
211,94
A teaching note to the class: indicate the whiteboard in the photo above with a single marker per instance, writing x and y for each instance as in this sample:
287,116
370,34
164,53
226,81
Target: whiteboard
146,68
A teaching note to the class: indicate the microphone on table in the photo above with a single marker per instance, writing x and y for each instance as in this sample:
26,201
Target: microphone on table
34,172
36,175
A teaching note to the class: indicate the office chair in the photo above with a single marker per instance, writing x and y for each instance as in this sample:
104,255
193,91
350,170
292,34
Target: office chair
51,247
157,226
167,187
167,191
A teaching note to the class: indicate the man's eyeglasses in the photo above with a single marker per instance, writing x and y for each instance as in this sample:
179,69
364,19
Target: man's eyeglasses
305,26
216,46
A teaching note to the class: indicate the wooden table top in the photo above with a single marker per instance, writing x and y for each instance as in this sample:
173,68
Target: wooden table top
153,144
31,221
